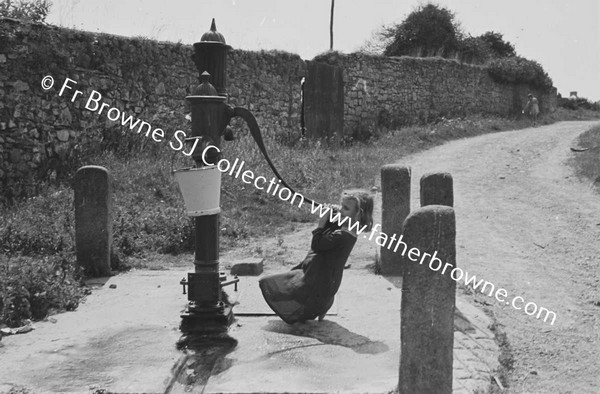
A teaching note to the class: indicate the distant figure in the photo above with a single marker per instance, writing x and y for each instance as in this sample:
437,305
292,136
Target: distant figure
532,108
308,290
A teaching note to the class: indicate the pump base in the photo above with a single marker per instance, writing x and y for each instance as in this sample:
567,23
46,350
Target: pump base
206,322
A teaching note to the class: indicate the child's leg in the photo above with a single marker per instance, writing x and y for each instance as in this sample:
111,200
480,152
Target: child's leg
326,308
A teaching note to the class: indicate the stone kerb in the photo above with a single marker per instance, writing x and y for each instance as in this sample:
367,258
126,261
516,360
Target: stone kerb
437,189
395,207
428,300
93,220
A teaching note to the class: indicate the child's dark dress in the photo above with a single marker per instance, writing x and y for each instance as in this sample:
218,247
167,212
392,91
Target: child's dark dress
307,290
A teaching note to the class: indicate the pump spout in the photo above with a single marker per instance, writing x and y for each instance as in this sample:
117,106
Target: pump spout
250,120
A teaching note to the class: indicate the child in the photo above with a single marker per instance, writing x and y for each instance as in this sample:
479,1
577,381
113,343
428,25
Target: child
307,291
532,108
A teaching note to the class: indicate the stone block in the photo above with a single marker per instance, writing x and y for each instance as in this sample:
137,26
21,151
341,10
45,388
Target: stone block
428,301
20,86
62,135
15,156
437,189
395,207
93,220
247,267
65,117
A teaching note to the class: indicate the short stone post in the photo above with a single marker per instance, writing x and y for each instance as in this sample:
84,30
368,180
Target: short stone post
93,220
436,189
395,207
428,299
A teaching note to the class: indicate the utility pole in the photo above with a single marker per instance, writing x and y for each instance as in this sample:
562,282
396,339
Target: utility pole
331,27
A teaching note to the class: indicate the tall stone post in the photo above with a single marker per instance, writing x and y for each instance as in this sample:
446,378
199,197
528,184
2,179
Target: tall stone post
428,299
93,220
437,189
395,207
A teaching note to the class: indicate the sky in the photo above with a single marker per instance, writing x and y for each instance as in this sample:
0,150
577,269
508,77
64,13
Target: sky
563,36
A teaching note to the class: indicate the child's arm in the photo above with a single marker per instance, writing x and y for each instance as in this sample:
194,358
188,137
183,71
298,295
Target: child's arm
323,221
322,241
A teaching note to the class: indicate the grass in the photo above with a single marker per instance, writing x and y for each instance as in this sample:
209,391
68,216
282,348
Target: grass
506,356
149,216
587,163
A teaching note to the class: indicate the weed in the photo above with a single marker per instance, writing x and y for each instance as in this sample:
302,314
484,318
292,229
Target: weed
506,358
586,163
30,288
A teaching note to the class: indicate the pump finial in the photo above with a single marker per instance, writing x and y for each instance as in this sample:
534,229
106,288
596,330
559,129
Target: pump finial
213,35
205,88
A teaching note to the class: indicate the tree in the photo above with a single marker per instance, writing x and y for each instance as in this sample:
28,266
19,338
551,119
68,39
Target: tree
34,11
429,30
498,47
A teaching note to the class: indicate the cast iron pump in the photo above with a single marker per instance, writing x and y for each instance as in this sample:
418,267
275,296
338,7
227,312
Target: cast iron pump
206,311
211,115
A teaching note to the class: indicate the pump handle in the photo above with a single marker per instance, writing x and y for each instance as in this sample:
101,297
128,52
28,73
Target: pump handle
255,131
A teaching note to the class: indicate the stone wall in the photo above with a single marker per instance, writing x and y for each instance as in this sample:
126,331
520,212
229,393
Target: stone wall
44,135
389,92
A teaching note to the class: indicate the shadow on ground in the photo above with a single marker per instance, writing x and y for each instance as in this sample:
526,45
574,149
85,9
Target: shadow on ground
329,333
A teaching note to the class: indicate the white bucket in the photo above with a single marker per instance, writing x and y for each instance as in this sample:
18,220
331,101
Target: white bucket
201,190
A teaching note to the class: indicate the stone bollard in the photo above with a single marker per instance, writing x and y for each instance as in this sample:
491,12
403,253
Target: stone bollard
93,220
395,207
250,266
436,189
428,298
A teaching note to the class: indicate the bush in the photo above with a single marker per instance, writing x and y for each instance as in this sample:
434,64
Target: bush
34,11
474,50
587,104
568,104
497,46
30,288
483,48
575,104
428,29
519,70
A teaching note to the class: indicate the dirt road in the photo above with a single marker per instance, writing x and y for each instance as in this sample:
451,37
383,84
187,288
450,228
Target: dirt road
526,224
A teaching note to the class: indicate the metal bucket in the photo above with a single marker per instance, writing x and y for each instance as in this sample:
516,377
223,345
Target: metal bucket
201,190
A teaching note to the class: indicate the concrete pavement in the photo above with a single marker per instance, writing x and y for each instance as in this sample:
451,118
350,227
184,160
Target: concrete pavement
122,340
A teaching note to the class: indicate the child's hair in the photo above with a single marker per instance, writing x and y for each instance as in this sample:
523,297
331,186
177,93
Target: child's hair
364,203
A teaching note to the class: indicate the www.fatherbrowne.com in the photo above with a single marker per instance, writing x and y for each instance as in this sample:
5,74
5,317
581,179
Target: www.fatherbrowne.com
393,242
